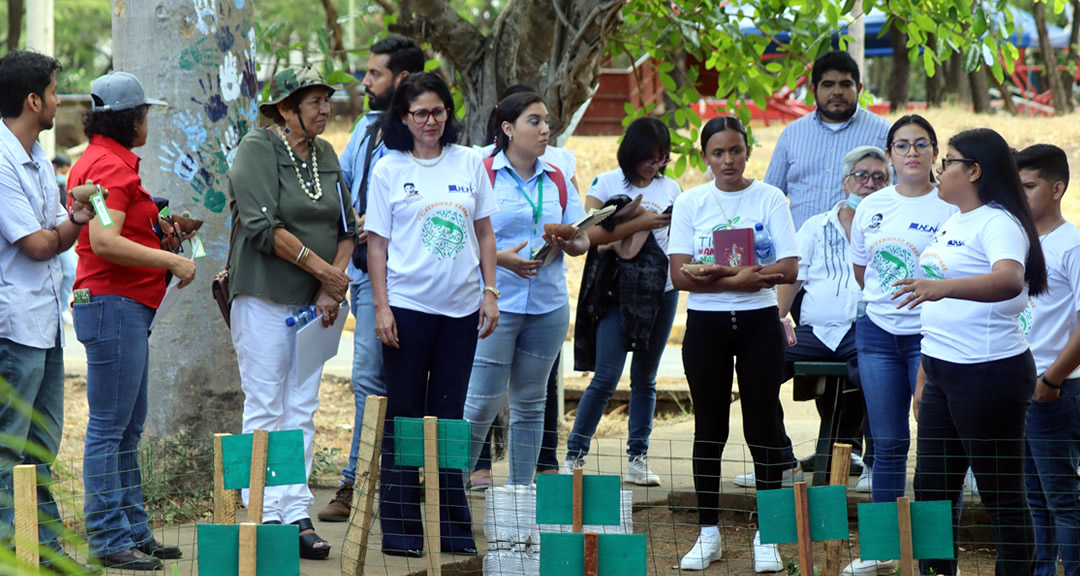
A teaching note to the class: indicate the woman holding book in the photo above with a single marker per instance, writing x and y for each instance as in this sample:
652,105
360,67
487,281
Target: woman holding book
533,196
634,313
732,316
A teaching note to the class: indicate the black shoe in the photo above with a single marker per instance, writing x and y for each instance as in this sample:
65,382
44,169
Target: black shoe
312,547
67,566
130,559
404,553
807,464
159,550
467,551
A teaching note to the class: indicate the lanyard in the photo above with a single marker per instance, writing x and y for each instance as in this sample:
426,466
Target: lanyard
538,206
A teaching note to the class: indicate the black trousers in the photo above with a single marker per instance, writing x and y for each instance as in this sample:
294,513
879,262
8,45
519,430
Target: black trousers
715,345
427,376
975,414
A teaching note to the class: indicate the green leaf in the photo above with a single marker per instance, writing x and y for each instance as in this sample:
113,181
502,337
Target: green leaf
340,77
972,59
431,65
667,81
680,117
774,67
988,55
680,166
999,75
928,62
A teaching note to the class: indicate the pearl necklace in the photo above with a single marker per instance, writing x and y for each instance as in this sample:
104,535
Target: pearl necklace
428,163
296,167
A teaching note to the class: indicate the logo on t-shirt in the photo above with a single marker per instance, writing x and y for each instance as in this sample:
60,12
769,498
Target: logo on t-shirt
411,193
932,271
923,227
892,263
1027,316
443,233
460,189
875,221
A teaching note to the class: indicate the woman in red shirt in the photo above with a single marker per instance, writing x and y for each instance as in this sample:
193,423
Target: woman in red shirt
124,267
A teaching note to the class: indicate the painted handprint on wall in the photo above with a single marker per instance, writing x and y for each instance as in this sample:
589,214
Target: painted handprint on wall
190,124
250,87
205,15
215,107
174,159
199,54
229,78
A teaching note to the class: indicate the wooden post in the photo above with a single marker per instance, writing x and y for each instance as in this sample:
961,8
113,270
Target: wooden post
802,524
367,477
834,549
224,503
257,485
431,496
248,548
579,504
907,552
592,555
26,516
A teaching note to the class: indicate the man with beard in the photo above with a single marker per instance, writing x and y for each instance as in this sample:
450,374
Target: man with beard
808,161
34,229
391,60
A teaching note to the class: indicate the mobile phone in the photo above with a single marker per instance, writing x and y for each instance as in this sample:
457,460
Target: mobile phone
669,209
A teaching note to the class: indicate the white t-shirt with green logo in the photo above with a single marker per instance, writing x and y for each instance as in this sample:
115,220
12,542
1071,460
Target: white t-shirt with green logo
698,212
1050,318
428,214
656,197
965,331
888,235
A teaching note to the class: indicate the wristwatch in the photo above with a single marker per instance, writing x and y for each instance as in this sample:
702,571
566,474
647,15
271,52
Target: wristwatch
71,217
1048,383
493,290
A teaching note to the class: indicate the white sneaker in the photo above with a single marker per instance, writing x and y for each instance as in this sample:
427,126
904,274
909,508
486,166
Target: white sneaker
572,463
860,567
790,478
766,556
709,547
67,319
637,472
969,482
865,485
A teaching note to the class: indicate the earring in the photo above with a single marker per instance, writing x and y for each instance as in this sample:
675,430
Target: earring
287,129
511,137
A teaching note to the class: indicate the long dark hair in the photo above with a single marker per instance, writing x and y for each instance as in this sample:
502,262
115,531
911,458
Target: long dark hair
644,137
509,110
396,134
1000,185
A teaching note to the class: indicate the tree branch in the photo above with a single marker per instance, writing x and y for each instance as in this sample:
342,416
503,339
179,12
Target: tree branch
436,22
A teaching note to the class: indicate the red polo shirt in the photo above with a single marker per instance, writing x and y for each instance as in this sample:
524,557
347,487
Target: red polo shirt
109,164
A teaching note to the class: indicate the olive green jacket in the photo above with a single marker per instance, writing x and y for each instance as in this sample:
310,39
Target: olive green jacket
264,194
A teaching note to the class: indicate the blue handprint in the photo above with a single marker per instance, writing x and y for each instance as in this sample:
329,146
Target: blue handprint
192,128
177,161
215,106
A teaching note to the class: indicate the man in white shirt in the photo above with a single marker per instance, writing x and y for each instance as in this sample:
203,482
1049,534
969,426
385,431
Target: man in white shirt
34,229
1050,323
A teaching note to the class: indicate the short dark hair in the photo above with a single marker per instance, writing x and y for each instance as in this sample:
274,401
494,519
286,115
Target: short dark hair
644,138
404,54
118,124
1051,162
509,110
719,124
1000,184
22,73
837,60
396,135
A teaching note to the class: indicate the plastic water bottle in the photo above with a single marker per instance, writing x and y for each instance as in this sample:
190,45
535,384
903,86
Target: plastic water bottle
763,246
302,316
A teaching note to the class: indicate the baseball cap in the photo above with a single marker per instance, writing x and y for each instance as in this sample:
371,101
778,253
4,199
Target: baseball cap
118,91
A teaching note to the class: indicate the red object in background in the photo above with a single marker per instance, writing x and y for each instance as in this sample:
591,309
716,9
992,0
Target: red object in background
733,247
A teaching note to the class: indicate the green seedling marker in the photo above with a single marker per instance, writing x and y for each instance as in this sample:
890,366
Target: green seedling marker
828,515
219,550
563,554
454,439
601,500
931,531
102,211
284,459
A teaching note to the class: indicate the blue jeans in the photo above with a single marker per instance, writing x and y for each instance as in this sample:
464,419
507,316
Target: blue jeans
31,415
888,365
610,359
367,369
69,261
115,331
1053,487
520,352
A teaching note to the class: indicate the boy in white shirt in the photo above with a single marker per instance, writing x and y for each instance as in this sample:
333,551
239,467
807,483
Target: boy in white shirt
1050,324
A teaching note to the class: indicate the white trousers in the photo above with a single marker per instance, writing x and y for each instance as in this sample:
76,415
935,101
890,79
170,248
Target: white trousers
274,398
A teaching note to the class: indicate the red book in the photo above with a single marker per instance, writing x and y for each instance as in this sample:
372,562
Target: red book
733,247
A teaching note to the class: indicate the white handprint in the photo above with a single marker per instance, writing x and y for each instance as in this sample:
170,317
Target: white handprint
229,78
183,164
205,15
191,127
230,143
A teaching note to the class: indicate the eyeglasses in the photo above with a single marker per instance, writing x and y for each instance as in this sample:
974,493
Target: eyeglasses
862,176
421,115
921,146
946,161
650,164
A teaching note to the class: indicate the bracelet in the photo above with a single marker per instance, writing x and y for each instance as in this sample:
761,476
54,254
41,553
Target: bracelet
307,252
300,255
1048,383
71,217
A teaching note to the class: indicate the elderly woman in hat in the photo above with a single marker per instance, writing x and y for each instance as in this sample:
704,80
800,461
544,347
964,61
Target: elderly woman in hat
123,266
294,235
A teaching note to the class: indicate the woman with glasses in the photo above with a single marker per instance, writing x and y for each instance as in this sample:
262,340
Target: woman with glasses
605,332
431,257
294,237
891,229
977,376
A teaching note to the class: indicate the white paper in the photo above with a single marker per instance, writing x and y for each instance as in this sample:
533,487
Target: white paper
172,294
315,344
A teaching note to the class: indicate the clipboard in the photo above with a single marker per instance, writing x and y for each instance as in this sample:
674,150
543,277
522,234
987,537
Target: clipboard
316,344
594,217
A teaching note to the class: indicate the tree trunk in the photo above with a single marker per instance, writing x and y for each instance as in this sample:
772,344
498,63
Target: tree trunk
194,384
554,45
901,69
956,84
1074,37
980,91
338,50
15,23
1049,60
935,84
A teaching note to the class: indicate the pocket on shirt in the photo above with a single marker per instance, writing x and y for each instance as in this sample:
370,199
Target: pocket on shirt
87,319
